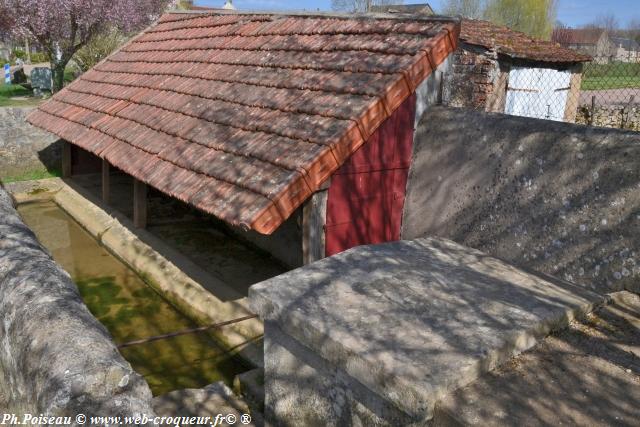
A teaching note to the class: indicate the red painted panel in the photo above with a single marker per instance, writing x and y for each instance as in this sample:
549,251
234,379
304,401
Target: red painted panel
366,196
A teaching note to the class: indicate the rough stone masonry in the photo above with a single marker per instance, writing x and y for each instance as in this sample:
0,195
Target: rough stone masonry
559,198
55,357
23,147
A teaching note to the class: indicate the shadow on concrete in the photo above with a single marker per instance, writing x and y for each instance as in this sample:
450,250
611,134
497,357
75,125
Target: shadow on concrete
588,374
557,198
400,326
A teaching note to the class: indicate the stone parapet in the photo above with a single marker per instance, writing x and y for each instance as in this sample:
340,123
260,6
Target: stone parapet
378,334
56,358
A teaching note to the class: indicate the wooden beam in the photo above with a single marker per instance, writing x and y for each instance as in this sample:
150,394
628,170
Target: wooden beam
106,181
139,204
573,97
66,159
314,218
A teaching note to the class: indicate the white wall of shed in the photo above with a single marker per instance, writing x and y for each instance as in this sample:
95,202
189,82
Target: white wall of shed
540,93
429,92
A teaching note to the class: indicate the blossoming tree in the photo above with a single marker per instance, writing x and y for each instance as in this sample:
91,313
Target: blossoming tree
64,26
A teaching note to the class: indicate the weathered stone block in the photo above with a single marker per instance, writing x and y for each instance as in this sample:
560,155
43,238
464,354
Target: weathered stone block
56,358
377,334
555,197
24,148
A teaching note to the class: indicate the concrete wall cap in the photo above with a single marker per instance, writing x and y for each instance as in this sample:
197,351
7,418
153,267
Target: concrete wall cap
413,320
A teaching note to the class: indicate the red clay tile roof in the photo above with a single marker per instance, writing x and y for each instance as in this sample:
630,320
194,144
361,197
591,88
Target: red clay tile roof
245,115
516,44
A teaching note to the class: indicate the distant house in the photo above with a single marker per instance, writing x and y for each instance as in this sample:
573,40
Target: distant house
594,42
420,9
626,50
501,70
228,5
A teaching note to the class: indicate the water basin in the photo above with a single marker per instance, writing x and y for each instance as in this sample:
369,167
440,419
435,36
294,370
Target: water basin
130,309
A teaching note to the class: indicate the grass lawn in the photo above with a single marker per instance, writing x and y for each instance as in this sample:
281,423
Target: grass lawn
611,82
31,176
8,91
611,76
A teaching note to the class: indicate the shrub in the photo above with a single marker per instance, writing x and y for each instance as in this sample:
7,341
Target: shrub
16,54
99,48
37,57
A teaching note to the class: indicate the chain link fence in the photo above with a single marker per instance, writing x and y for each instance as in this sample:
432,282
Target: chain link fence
610,95
597,93
600,94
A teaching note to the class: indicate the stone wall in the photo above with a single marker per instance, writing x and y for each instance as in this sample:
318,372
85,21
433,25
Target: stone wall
25,148
559,198
470,81
55,357
285,244
611,116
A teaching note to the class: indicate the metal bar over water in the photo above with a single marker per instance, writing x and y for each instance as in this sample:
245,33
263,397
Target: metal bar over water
186,331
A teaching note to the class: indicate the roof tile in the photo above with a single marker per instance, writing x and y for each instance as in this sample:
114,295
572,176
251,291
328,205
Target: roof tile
516,44
245,115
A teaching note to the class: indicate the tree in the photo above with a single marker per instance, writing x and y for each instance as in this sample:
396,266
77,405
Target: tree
472,9
634,29
562,34
361,6
180,4
62,27
607,22
98,48
533,17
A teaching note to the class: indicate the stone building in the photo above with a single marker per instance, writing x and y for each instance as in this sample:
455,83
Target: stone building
594,42
500,70
418,8
626,50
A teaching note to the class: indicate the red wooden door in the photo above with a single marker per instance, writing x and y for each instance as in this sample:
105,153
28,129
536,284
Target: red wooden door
366,196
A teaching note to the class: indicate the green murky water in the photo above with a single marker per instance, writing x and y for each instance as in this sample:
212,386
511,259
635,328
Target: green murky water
130,309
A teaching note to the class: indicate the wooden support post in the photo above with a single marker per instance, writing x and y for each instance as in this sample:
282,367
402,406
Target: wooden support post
593,110
66,159
139,204
314,217
106,181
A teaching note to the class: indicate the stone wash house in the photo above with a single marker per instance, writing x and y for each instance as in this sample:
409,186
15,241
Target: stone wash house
295,130
500,70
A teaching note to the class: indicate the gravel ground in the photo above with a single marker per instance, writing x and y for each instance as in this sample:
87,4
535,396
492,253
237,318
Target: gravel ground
610,96
586,375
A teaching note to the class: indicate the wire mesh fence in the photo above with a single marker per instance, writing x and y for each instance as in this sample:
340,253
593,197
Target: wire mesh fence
610,95
597,94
